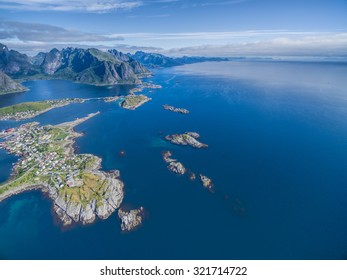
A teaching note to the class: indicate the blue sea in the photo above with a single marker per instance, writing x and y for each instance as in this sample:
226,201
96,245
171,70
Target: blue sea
277,136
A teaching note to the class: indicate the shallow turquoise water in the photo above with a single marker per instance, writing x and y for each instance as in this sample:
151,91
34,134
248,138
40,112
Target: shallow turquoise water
277,154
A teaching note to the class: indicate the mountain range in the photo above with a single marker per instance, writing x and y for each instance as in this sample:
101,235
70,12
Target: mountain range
88,66
155,60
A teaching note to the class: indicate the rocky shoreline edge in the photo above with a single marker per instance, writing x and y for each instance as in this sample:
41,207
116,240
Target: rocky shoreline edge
67,209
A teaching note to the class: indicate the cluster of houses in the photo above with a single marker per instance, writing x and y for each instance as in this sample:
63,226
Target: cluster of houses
35,146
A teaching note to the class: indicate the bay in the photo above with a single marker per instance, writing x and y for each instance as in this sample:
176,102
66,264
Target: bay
277,137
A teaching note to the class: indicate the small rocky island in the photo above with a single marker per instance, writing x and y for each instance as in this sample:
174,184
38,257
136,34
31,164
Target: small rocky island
176,110
143,86
174,165
191,175
111,99
79,190
130,219
187,138
27,110
206,182
133,101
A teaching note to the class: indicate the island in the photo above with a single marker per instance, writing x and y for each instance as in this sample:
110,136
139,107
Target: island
133,101
187,138
29,110
206,182
111,98
176,110
144,85
130,219
192,176
178,168
173,165
79,190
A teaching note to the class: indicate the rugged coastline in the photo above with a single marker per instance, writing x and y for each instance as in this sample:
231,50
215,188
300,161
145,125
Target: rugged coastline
79,190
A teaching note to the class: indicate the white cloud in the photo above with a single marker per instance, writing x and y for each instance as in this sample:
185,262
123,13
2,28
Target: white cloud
100,6
262,42
280,46
44,33
233,43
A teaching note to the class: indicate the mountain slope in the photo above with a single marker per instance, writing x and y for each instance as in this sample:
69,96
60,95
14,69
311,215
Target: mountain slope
91,66
137,67
7,85
16,64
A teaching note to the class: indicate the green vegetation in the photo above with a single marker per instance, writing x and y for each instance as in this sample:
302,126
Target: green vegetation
32,109
24,179
58,133
93,188
134,101
23,107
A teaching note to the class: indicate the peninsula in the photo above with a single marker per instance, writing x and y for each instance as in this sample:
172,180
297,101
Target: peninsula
79,190
187,138
29,110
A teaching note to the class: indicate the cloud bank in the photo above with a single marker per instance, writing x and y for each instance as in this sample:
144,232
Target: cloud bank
33,37
305,45
100,6
44,33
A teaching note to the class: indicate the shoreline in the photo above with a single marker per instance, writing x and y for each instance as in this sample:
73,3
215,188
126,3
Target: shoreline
64,102
105,199
23,189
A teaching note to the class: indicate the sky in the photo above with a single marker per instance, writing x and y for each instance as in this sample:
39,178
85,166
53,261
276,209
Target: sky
178,27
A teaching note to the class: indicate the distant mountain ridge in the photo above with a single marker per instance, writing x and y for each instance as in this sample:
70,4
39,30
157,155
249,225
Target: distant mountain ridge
155,60
89,66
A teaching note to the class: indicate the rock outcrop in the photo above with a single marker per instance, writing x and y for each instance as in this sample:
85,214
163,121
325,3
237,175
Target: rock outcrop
176,110
173,165
51,62
187,138
177,168
70,211
206,182
130,219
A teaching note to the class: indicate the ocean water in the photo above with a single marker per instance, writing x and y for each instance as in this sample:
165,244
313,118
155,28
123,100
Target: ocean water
277,136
